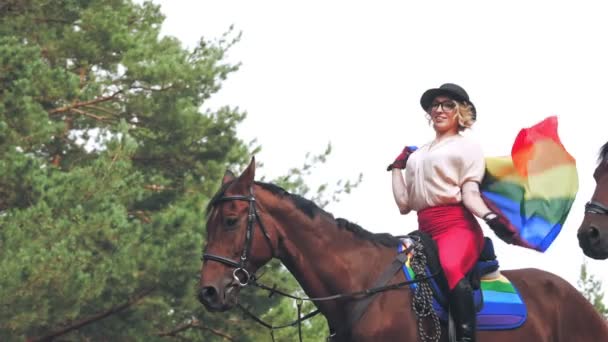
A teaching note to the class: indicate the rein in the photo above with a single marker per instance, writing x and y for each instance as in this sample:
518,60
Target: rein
251,279
360,293
593,207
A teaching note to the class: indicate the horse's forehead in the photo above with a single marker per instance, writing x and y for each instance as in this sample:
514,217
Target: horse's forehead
233,190
601,172
600,193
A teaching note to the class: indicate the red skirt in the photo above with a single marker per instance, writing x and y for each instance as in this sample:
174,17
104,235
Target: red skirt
458,236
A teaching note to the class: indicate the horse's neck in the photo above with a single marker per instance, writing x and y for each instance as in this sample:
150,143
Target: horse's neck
328,260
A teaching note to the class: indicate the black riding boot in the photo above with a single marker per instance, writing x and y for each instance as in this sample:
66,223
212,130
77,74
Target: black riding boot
462,308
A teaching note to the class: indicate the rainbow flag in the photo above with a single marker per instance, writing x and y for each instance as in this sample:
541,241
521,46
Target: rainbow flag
534,187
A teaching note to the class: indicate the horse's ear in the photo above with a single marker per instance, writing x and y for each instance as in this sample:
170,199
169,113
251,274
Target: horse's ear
228,176
247,177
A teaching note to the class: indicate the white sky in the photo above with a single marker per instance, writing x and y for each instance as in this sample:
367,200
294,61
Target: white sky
352,72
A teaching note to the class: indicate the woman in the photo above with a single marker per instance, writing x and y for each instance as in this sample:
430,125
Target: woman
442,185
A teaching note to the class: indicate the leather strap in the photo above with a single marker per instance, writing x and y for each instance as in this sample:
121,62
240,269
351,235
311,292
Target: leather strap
362,304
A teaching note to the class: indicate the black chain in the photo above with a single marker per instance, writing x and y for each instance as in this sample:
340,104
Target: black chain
422,302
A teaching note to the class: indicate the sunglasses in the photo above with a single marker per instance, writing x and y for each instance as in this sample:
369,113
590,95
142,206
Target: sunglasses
446,106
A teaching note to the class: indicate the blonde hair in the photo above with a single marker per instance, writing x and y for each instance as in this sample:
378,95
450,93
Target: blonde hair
464,114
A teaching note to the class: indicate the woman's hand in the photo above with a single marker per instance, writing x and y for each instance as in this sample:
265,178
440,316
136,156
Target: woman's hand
499,226
401,160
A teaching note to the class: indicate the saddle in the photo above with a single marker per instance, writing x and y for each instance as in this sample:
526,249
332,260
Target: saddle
498,303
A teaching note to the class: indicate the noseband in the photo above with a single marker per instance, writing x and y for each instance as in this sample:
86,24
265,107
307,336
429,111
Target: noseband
593,207
251,217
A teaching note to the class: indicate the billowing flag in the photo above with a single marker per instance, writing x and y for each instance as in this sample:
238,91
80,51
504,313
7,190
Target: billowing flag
534,187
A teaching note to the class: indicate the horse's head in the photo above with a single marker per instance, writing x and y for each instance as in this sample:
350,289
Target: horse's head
593,232
235,241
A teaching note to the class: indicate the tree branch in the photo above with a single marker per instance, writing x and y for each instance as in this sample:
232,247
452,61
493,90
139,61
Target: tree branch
195,323
103,110
7,4
158,188
91,115
92,319
152,88
177,330
140,214
84,103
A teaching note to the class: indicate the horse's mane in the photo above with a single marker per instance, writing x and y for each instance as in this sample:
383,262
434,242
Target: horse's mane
310,209
385,239
603,157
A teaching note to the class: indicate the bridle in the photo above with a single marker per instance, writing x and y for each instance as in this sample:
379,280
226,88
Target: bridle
239,267
250,279
594,207
251,218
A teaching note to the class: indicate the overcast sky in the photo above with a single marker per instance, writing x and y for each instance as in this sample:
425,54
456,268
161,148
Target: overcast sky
351,73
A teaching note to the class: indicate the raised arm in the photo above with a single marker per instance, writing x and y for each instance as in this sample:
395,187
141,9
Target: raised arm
399,188
400,192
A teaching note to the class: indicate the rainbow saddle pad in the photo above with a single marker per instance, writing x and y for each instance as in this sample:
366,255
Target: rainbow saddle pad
499,304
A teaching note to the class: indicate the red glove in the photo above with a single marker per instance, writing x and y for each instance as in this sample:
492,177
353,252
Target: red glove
402,158
500,227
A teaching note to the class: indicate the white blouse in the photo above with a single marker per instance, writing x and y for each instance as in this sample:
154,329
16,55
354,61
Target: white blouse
436,172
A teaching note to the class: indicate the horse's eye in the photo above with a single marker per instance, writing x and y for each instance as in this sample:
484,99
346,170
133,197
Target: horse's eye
230,222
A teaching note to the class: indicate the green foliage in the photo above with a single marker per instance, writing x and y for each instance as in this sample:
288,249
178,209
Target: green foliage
106,163
591,288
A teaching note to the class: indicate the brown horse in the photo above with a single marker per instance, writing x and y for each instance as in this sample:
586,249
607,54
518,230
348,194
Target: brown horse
251,222
593,232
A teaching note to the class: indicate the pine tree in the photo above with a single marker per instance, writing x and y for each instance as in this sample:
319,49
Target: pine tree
107,160
591,288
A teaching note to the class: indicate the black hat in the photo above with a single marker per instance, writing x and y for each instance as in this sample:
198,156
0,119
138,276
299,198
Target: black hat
451,90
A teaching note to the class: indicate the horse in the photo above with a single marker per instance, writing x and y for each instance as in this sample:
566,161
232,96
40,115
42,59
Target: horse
251,222
593,232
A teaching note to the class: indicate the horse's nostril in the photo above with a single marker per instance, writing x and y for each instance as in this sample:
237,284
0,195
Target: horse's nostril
207,294
594,233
